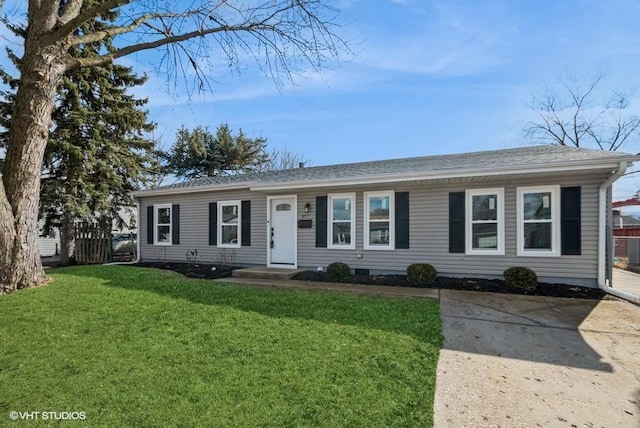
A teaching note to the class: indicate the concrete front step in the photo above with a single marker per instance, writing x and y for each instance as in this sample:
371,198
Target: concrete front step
262,272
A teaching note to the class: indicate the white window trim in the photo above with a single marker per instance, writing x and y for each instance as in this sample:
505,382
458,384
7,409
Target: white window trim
469,194
156,217
555,221
330,244
392,221
222,204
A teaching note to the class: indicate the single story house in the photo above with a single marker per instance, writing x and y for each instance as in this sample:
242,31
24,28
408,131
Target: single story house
471,215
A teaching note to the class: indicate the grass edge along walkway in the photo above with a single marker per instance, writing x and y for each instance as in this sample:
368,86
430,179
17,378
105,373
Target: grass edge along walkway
143,347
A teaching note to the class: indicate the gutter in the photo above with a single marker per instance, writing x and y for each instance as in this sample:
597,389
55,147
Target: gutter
137,259
602,236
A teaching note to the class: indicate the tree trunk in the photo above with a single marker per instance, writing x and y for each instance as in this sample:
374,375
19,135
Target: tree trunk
41,72
67,240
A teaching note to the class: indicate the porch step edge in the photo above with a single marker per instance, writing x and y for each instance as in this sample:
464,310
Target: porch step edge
266,273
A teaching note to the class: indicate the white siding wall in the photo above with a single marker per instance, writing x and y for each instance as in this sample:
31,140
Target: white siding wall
429,236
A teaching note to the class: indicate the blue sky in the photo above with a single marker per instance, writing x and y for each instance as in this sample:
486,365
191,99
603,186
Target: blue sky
427,77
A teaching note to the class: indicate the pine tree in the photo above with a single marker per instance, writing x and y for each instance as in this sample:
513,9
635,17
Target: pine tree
199,153
97,152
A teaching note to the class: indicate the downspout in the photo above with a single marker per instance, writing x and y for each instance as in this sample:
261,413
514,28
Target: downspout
137,259
602,235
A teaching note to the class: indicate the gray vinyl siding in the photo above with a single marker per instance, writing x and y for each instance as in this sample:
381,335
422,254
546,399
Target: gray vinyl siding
194,228
429,234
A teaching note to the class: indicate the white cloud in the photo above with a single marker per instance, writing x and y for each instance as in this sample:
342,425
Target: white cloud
443,40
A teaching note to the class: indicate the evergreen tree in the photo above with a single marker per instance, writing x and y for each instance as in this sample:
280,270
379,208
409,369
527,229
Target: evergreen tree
199,153
97,151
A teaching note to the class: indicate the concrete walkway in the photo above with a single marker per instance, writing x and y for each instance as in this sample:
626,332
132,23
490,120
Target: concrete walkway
628,282
526,361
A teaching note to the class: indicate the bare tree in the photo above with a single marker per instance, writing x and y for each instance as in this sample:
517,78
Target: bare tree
282,34
573,113
285,159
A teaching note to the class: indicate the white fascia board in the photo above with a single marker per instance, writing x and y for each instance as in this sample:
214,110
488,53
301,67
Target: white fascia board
196,189
442,174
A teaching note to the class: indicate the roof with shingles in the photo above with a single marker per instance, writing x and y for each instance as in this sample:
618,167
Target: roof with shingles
527,157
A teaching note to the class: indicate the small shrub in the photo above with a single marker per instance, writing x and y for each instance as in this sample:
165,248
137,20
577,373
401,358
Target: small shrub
339,272
521,278
421,273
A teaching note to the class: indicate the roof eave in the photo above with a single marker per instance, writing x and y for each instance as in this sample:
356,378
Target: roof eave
195,189
612,163
581,165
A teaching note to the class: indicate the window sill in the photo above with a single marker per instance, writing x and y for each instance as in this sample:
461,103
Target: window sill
538,254
484,253
390,248
229,246
338,247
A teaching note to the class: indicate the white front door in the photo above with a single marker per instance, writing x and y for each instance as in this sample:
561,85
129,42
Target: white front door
282,232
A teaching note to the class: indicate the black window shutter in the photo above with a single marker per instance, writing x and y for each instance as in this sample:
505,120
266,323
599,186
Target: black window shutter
150,224
402,220
175,224
456,222
570,221
321,221
246,224
213,223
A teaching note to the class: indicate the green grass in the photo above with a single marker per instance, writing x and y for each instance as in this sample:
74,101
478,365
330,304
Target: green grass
143,347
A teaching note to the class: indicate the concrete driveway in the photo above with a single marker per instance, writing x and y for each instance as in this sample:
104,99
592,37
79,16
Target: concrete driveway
523,361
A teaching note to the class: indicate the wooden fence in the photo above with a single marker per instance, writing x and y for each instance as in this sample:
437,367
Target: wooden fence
92,243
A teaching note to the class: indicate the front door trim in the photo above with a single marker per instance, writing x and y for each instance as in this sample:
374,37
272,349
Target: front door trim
295,232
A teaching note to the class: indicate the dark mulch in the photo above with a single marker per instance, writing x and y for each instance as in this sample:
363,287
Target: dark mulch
470,284
192,270
211,271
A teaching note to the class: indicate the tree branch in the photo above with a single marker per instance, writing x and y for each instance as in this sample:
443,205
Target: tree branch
112,31
80,18
70,10
108,58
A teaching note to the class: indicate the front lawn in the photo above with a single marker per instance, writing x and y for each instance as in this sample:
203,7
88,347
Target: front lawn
143,347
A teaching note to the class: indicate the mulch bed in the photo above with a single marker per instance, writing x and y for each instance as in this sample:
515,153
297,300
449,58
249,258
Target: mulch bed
210,271
469,284
192,270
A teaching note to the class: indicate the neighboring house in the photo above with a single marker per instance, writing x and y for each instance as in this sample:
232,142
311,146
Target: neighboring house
473,215
48,246
625,225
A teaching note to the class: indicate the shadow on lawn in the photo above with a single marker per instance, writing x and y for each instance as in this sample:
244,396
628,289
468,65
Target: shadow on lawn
383,314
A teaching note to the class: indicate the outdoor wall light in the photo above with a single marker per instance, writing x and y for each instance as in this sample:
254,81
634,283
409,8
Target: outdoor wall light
307,208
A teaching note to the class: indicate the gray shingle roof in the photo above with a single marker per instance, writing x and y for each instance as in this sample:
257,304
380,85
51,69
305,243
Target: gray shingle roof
527,157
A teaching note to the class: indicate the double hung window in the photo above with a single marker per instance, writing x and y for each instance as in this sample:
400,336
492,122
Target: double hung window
539,221
485,221
379,221
341,222
229,224
163,225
